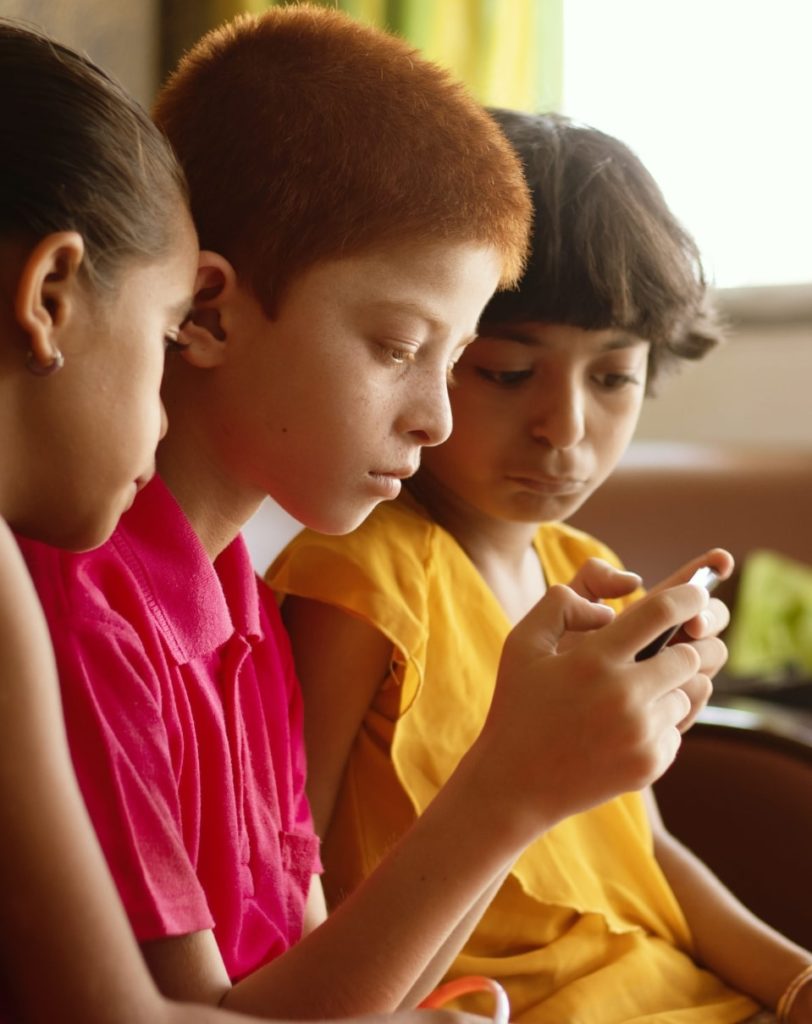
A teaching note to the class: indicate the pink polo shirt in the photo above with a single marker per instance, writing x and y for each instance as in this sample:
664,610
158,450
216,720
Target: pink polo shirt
184,720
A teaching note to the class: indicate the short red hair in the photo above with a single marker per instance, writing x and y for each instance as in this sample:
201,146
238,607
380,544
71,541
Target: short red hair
306,136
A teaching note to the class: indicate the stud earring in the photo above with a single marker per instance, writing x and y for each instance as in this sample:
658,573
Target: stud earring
33,365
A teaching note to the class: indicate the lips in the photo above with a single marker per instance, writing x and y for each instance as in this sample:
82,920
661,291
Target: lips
398,474
542,484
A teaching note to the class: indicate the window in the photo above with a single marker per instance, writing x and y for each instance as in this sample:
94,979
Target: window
715,97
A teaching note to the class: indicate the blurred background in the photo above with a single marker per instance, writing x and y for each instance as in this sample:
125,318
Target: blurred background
712,94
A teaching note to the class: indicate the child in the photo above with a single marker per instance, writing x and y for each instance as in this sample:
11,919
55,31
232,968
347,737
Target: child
412,609
360,209
97,261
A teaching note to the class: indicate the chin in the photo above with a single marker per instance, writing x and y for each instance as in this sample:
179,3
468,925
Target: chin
85,529
335,522
94,529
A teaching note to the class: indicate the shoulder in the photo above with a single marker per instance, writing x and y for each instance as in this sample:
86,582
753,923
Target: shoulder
379,574
393,544
76,585
98,616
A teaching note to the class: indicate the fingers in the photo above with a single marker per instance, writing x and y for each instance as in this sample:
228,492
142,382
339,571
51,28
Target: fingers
716,558
651,616
597,579
561,610
698,691
674,708
711,622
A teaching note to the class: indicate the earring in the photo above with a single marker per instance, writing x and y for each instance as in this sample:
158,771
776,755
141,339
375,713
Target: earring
39,369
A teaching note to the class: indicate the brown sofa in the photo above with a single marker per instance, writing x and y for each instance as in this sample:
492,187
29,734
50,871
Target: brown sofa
740,791
667,502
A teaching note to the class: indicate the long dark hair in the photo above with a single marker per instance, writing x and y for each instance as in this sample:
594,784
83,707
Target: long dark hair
77,153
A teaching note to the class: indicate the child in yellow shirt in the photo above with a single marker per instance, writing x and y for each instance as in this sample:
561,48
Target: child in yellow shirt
606,917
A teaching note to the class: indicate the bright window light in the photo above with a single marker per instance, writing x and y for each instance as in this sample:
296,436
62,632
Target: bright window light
715,97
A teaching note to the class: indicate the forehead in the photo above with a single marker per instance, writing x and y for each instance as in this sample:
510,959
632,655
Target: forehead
417,278
549,337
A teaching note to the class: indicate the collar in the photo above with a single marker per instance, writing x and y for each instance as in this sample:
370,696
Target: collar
197,604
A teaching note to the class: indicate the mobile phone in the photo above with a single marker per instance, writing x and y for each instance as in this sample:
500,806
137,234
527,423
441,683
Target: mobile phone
704,577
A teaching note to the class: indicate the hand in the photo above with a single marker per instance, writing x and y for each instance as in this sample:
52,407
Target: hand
598,580
567,731
702,631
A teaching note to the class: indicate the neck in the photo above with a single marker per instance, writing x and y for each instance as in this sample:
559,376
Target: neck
502,551
216,504
207,500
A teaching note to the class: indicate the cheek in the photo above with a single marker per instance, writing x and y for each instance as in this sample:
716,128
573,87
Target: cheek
613,430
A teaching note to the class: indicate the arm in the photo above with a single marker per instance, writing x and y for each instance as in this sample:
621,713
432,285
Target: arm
340,676
540,757
61,912
729,940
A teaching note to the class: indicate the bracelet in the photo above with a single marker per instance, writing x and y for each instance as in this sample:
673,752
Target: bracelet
471,983
785,1003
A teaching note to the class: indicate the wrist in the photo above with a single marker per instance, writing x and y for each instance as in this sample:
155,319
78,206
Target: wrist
520,812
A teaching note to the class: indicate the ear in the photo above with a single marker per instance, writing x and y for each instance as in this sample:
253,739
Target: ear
45,297
204,333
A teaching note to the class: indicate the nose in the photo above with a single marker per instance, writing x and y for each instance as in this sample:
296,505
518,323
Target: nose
558,417
428,416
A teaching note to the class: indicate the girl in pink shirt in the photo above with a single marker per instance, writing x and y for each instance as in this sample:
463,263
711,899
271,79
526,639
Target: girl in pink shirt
97,262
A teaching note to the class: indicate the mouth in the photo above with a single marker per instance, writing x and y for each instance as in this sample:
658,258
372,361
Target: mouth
387,483
396,474
556,485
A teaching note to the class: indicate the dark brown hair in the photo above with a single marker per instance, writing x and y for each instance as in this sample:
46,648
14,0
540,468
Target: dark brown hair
606,250
306,135
77,153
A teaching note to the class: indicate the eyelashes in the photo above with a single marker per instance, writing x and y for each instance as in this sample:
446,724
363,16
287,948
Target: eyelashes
503,378
395,354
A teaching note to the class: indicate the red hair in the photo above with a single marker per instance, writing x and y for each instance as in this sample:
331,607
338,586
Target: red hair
306,136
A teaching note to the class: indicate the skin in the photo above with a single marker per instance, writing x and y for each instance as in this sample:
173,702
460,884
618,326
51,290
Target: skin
325,408
63,912
542,414
111,402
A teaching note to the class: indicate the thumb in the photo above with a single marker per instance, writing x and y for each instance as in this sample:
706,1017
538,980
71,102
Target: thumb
597,579
560,611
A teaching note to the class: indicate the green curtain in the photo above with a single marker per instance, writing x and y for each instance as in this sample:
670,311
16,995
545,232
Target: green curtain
508,52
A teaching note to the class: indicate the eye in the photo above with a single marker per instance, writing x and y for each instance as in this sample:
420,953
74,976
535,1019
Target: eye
503,378
396,354
450,376
615,381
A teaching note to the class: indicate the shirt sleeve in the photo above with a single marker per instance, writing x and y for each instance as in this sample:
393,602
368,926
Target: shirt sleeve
124,759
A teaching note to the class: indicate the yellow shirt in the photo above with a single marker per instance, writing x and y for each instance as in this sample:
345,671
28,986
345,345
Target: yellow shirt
586,927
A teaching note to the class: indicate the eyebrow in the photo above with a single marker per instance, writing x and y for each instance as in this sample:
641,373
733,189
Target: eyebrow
498,332
415,309
404,306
